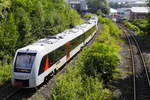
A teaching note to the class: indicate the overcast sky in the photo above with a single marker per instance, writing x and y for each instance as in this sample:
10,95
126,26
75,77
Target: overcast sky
124,0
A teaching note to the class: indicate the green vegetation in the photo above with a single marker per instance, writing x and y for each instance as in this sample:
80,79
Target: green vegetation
132,27
100,60
5,73
100,7
25,21
110,32
139,26
143,25
85,79
89,15
75,85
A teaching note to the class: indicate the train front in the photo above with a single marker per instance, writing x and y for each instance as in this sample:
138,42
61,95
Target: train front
23,73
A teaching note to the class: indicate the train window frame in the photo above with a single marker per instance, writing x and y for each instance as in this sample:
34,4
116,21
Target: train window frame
42,63
24,70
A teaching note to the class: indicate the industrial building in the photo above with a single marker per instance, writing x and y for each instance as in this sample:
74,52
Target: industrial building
133,13
79,5
138,13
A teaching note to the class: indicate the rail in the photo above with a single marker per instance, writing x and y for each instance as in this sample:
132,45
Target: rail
132,40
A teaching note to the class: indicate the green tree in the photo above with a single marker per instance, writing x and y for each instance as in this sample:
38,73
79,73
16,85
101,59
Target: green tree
8,38
4,7
28,20
95,5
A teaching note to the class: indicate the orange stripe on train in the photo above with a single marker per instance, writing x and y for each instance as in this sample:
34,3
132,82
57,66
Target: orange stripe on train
47,64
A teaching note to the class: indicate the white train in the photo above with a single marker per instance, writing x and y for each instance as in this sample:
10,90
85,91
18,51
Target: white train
33,63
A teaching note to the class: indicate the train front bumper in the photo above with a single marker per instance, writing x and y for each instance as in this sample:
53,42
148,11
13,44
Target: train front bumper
23,80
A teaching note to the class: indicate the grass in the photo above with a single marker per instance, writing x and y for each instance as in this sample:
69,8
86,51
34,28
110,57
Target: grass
38,96
129,73
5,73
127,67
117,73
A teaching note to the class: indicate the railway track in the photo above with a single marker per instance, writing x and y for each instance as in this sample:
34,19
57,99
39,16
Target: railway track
18,94
141,79
7,92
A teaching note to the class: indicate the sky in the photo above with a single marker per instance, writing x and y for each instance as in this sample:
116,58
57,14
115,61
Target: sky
124,0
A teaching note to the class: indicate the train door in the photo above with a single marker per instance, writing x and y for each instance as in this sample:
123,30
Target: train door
68,50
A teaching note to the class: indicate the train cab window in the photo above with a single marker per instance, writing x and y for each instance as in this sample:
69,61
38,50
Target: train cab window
24,62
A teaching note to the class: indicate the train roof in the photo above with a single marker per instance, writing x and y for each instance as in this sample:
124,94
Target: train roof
51,43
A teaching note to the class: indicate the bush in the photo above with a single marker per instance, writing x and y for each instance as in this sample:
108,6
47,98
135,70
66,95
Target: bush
100,59
105,34
142,24
73,85
5,73
133,27
89,15
69,85
114,30
104,20
112,27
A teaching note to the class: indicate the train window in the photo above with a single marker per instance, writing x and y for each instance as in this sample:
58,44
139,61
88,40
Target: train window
24,62
41,70
51,61
53,57
60,52
89,32
75,42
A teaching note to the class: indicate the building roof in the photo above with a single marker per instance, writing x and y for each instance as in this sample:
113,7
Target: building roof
73,1
113,10
140,9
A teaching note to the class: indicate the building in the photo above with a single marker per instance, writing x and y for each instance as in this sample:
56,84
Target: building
113,14
138,3
123,13
84,6
79,5
133,13
138,12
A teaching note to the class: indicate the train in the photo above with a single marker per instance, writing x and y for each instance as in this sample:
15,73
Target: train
34,62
